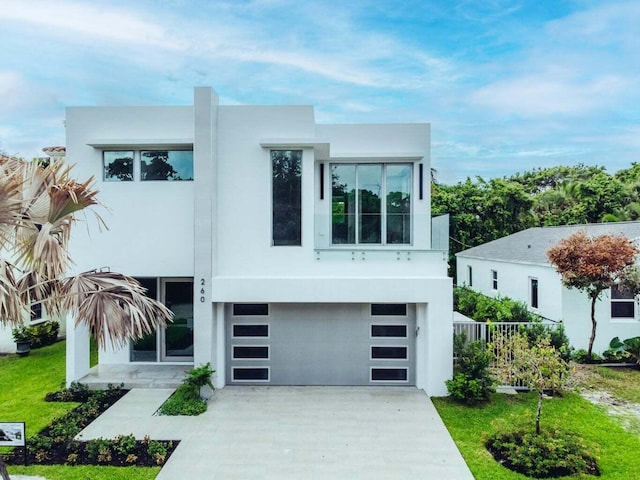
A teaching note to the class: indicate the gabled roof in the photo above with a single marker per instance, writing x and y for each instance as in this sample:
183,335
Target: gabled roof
531,245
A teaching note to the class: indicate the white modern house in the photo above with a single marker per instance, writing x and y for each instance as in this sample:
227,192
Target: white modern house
516,266
291,252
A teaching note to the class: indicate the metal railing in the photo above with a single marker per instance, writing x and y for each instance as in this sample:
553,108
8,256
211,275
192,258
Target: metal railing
483,331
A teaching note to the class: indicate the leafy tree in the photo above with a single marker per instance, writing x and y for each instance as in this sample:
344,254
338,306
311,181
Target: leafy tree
538,366
593,265
158,167
540,180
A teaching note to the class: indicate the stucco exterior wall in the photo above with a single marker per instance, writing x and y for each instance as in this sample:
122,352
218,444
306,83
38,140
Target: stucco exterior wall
152,223
556,302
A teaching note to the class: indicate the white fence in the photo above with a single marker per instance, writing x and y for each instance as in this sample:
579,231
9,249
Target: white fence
483,331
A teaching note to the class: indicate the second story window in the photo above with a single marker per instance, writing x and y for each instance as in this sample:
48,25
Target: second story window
371,203
118,166
166,165
129,165
494,279
286,168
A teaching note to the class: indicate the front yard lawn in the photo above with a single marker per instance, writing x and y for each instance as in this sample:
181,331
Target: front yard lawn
618,458
25,382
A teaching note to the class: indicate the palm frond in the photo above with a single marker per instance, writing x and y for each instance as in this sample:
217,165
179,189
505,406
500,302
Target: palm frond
10,199
113,306
12,309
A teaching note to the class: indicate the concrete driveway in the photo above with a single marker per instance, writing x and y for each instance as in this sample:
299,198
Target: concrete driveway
294,433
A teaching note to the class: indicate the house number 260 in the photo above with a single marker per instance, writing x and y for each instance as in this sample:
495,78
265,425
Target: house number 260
202,283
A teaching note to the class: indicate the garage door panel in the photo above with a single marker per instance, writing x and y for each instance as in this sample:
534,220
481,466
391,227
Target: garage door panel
323,345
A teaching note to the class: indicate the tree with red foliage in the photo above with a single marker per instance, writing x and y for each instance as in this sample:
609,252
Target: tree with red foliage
593,265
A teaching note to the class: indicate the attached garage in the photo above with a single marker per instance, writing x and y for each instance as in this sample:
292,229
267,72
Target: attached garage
320,344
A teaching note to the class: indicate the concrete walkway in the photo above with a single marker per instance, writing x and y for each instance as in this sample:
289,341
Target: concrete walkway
295,432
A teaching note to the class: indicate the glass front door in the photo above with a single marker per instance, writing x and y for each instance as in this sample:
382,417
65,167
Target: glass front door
175,342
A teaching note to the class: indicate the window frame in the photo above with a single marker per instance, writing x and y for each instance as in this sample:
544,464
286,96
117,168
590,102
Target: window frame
494,279
136,169
298,208
534,292
624,299
384,209
470,275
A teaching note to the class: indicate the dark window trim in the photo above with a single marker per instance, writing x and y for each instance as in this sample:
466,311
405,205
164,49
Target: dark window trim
262,380
404,325
250,309
405,369
389,309
233,330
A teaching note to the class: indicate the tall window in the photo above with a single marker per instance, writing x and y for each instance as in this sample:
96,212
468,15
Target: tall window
494,279
371,203
286,168
533,292
470,275
622,303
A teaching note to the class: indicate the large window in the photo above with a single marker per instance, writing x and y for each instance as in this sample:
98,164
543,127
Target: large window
169,165
622,303
371,203
287,196
166,165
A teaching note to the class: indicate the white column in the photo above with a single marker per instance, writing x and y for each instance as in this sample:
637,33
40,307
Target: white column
220,365
205,123
439,338
77,351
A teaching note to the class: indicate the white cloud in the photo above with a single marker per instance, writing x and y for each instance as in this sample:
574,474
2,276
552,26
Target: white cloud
543,95
89,20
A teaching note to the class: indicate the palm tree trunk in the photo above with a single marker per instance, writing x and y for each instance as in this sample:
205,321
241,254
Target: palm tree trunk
594,324
3,470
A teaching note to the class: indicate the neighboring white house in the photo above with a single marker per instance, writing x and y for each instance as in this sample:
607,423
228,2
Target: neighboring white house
517,266
291,252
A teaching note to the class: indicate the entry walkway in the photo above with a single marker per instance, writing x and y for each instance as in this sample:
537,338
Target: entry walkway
295,432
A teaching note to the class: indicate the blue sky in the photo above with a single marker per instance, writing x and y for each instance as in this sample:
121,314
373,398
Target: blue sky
506,85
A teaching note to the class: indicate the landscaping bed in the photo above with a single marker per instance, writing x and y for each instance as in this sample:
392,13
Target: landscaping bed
55,444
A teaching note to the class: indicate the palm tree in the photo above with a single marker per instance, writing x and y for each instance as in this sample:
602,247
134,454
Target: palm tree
38,207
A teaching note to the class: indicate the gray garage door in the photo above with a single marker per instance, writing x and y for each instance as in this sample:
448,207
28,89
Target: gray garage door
320,344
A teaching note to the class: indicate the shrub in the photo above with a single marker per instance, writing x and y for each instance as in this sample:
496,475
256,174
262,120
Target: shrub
43,334
552,453
581,356
471,382
186,399
557,338
125,444
157,451
483,308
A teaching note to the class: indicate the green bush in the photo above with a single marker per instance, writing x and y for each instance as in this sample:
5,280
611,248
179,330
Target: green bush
483,308
43,334
552,453
471,382
581,356
557,336
186,399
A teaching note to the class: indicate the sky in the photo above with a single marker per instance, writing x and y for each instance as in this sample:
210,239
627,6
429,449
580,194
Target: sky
507,86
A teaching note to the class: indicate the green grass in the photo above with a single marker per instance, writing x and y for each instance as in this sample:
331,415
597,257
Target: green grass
618,449
83,472
622,383
25,381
